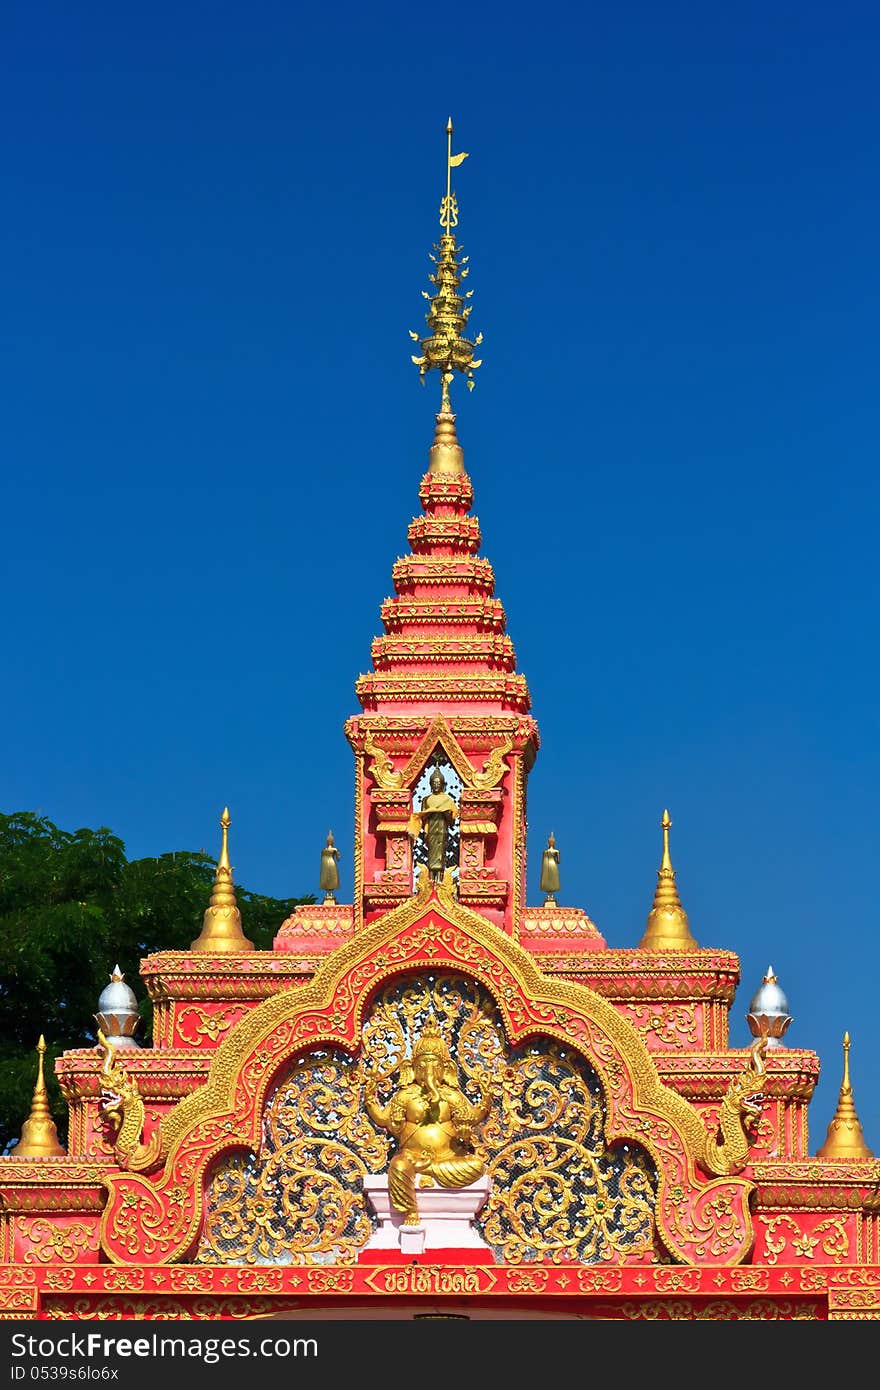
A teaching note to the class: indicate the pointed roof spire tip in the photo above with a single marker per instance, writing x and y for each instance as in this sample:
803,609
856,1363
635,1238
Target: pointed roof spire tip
446,347
221,926
39,1137
845,1139
668,928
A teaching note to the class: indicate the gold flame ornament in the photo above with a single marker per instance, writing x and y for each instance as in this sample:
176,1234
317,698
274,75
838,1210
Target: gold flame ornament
446,348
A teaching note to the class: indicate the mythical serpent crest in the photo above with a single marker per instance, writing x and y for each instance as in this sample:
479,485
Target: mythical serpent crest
740,1113
123,1108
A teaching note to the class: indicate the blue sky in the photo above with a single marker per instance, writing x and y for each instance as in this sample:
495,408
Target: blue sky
214,237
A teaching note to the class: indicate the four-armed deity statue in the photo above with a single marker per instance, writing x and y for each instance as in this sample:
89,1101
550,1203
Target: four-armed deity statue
433,1122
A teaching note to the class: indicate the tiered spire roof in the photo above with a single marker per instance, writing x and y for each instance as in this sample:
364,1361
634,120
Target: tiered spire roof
445,639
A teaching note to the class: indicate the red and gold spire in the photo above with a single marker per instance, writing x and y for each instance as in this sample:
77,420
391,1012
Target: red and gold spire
445,643
444,677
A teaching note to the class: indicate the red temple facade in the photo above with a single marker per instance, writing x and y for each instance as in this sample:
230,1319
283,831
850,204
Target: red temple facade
633,1164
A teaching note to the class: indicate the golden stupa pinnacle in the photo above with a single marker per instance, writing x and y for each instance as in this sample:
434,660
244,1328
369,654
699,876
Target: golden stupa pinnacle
667,928
446,348
39,1137
221,932
845,1139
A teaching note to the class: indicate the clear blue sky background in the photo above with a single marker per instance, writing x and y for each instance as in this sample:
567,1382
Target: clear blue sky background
214,234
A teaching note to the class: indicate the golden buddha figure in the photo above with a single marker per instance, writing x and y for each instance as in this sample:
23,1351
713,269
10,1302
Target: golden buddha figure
329,876
433,1122
438,812
550,871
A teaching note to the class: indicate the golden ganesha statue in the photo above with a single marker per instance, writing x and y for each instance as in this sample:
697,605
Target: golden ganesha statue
433,1122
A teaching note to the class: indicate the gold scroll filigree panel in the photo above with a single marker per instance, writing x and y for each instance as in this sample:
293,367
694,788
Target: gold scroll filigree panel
300,1199
559,1194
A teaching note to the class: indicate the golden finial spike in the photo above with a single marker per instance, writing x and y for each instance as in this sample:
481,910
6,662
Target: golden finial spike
39,1137
225,822
666,823
667,928
845,1139
446,347
221,932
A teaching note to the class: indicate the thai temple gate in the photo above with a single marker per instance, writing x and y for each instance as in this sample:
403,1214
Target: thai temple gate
438,1099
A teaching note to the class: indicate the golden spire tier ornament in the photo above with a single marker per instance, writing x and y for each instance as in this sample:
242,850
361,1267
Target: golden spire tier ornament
550,872
39,1137
845,1139
446,348
221,932
328,880
667,928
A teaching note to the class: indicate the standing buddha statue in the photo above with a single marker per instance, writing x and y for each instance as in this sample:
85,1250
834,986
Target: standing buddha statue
550,872
438,812
329,877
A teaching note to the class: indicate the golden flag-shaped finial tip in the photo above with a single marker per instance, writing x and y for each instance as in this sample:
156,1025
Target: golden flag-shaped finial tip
846,1040
666,821
41,1044
449,126
224,819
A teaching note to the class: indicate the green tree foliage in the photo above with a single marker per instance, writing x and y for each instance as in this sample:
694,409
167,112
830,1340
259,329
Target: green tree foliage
72,906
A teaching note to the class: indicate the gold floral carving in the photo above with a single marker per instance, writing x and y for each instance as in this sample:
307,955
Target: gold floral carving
160,1309
697,1220
57,1241
785,1236
300,1199
206,1025
718,1310
674,1026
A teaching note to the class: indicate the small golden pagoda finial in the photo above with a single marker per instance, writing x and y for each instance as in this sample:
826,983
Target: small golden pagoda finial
39,1137
667,928
221,932
446,348
845,1139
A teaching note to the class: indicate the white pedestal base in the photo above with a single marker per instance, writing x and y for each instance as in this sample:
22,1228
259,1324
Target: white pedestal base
446,1216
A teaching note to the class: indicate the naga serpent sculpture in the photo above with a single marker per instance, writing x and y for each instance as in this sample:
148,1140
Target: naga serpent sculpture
123,1107
740,1111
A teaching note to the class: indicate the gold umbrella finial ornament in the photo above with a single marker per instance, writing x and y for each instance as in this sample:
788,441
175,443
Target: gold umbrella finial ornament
221,932
845,1139
39,1137
667,927
446,348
